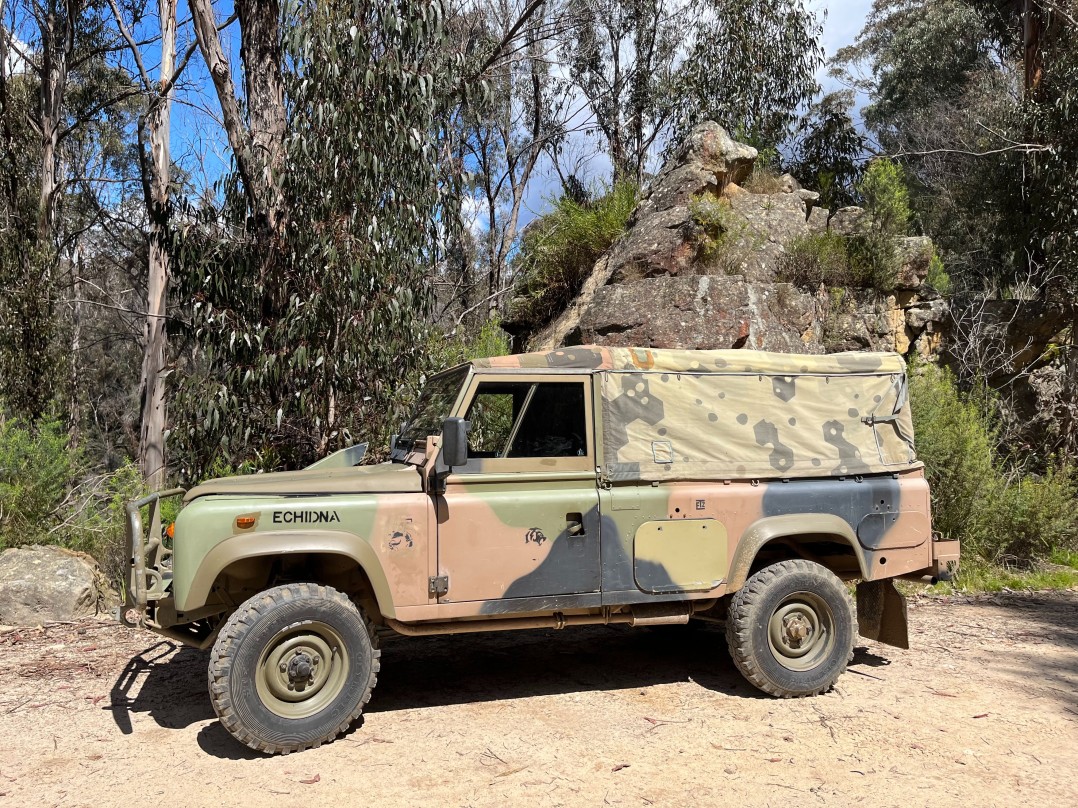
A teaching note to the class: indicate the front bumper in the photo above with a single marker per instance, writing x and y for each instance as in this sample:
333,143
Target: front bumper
150,579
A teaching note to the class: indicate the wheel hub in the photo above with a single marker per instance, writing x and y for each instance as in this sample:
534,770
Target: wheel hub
800,631
797,629
302,670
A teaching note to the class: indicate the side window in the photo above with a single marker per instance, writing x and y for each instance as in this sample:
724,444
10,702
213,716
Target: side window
492,413
528,419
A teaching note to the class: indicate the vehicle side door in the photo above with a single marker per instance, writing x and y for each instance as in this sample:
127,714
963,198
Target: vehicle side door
518,526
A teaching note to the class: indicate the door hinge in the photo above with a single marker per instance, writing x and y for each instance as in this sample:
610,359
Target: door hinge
438,586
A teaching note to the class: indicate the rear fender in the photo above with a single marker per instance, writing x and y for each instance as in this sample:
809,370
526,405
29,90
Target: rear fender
791,526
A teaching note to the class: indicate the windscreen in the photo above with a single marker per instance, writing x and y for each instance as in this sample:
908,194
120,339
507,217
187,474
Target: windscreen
433,407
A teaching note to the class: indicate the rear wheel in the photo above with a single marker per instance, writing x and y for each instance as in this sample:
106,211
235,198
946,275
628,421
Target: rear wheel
293,668
791,629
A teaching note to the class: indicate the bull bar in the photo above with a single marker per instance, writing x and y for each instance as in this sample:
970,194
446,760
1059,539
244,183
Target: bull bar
149,556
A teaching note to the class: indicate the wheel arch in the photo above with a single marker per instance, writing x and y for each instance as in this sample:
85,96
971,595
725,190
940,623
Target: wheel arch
327,546
798,528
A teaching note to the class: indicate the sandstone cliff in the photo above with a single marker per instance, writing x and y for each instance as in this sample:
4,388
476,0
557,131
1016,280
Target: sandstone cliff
664,284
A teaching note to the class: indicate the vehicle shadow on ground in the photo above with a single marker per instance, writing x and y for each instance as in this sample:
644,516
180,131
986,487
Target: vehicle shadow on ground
447,670
462,669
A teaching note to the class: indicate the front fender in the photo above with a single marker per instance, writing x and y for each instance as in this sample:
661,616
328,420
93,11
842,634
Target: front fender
788,525
196,592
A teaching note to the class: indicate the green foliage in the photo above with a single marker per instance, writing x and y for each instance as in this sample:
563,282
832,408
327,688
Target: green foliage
828,150
559,250
822,258
886,197
96,522
750,65
975,576
937,276
717,229
832,260
37,472
993,510
461,345
48,496
307,338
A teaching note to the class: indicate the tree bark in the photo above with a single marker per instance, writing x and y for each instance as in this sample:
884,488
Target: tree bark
57,42
155,333
258,142
260,50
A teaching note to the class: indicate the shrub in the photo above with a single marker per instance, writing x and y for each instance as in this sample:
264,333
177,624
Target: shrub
718,231
956,442
37,470
887,199
834,260
95,522
48,496
817,259
937,276
764,180
993,510
559,250
446,350
887,205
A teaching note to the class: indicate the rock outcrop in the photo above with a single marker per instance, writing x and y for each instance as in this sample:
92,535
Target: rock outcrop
44,584
698,267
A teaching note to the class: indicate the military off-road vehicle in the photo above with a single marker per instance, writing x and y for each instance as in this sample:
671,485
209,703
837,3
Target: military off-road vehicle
589,485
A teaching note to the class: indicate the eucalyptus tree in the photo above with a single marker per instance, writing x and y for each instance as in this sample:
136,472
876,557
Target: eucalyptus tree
308,284
155,161
829,149
63,106
502,133
750,65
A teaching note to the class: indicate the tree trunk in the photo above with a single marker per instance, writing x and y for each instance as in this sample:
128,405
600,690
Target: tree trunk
74,406
155,334
260,50
57,40
258,143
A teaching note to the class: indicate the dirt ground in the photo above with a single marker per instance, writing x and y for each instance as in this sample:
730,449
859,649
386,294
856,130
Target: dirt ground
983,710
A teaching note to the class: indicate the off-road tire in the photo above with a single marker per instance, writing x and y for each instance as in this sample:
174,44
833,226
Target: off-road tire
290,615
758,607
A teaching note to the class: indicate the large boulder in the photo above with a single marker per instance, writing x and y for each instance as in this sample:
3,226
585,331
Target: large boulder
703,311
659,238
700,261
45,584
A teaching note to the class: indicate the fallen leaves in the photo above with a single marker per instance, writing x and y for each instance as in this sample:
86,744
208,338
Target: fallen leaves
311,781
619,767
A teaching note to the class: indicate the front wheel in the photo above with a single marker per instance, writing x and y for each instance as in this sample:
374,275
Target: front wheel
790,629
292,668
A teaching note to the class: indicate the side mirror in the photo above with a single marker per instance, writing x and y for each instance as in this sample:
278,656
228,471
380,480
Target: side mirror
455,441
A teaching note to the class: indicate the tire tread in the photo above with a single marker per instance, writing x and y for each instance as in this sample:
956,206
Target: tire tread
743,614
220,666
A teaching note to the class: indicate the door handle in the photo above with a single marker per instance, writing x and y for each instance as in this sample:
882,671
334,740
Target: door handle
574,524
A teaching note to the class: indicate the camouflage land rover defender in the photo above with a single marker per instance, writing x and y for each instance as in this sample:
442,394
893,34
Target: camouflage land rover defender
584,486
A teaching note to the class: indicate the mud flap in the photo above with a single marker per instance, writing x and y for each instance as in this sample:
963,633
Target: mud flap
881,613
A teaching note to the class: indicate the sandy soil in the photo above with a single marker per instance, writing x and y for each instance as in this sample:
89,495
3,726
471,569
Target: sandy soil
982,711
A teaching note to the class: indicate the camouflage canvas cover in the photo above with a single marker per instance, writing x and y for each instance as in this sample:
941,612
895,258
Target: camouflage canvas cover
681,414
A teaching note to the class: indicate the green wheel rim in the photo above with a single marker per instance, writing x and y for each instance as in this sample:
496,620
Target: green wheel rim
801,631
302,670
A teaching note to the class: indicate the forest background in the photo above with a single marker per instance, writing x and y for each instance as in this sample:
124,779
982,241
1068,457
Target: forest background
362,191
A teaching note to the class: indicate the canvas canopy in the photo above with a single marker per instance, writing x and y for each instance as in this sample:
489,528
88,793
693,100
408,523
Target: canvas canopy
680,414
